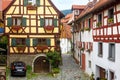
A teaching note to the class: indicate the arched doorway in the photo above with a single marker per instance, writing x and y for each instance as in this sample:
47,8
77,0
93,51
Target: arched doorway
41,65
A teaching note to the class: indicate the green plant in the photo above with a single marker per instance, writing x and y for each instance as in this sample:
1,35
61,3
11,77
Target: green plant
30,74
98,24
82,49
54,58
110,20
92,76
87,29
55,70
82,30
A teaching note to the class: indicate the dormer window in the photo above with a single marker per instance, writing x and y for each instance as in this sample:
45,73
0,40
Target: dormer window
32,2
76,12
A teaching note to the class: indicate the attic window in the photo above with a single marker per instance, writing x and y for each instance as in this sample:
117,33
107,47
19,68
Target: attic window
32,2
76,12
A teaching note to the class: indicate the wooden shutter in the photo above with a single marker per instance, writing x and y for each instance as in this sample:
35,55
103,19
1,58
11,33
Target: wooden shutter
48,42
24,21
9,21
13,43
25,2
42,22
38,2
55,22
35,42
27,42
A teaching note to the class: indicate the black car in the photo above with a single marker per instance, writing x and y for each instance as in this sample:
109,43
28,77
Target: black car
18,68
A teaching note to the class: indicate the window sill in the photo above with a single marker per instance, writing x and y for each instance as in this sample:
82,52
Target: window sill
111,59
100,55
31,7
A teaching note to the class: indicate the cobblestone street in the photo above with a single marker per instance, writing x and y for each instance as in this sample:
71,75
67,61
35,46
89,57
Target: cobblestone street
69,71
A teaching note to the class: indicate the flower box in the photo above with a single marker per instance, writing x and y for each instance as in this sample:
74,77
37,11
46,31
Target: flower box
31,7
1,30
49,28
110,21
21,47
42,47
16,28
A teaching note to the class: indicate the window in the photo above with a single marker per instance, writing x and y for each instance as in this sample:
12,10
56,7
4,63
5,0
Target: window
100,18
20,41
76,12
17,21
89,23
32,2
48,22
100,49
42,41
89,62
111,13
111,52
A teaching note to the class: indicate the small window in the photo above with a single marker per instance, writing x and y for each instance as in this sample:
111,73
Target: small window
89,62
42,41
20,41
89,23
48,22
100,18
111,13
17,21
32,2
111,52
100,49
76,12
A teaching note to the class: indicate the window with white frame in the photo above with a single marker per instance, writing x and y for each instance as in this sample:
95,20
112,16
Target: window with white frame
32,2
111,15
17,21
111,52
76,12
89,63
100,49
48,22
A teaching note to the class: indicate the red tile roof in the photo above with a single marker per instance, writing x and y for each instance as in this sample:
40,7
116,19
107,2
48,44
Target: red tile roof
78,7
5,4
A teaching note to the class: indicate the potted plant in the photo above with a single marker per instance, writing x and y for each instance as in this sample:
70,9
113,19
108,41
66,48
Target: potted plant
1,28
31,7
49,28
16,28
82,49
21,47
82,29
110,21
99,24
87,29
42,47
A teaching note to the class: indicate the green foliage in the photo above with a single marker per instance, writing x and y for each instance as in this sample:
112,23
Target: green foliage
3,59
110,20
4,39
98,24
54,58
55,70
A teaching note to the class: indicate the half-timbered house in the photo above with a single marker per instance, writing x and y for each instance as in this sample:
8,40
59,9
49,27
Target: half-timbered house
33,28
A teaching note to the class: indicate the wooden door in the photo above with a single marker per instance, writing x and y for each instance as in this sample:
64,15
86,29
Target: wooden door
83,62
41,65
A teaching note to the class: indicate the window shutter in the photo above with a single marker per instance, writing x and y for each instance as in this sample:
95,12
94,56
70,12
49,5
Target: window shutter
35,42
55,22
38,2
41,22
9,21
13,42
25,2
24,21
28,42
48,42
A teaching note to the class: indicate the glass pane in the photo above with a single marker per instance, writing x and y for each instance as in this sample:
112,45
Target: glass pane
18,21
46,22
50,22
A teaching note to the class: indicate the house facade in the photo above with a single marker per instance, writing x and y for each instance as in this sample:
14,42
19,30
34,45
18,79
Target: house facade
103,17
33,28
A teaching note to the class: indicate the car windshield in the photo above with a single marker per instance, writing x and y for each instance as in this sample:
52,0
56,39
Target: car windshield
19,64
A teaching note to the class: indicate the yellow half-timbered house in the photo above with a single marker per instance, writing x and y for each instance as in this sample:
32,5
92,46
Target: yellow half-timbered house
33,28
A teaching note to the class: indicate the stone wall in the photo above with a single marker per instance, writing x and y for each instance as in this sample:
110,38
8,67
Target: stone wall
28,59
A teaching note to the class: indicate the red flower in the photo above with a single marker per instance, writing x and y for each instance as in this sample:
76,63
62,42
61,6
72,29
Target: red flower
49,28
16,28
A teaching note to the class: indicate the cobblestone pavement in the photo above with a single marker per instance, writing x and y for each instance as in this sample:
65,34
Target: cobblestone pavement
69,71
